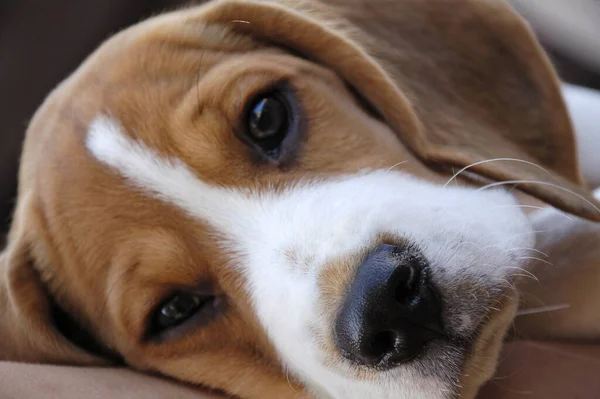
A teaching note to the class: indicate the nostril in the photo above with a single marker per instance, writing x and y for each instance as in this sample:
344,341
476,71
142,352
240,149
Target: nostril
383,343
406,282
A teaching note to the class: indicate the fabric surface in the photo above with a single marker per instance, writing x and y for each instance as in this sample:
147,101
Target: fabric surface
31,381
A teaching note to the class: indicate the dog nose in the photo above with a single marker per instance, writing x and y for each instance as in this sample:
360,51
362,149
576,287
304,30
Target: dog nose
391,310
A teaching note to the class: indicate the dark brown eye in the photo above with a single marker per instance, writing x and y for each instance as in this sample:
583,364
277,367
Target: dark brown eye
178,309
268,123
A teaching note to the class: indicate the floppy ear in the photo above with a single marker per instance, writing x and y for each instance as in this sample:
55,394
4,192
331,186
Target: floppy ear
29,331
465,85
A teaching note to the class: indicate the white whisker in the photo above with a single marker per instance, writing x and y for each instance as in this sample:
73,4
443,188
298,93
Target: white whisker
287,377
530,207
455,181
495,160
527,273
505,250
538,259
530,233
518,206
394,166
510,284
525,276
531,249
511,237
542,183
543,309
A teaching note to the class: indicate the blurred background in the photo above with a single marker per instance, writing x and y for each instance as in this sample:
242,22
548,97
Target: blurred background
42,41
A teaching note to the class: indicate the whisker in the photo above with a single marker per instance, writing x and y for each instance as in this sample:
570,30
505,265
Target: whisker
527,272
532,249
498,247
542,183
529,207
505,250
510,285
525,276
494,160
287,377
509,238
538,259
524,234
518,206
394,166
543,309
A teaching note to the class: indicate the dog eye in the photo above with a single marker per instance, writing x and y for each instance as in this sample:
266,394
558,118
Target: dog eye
178,309
267,123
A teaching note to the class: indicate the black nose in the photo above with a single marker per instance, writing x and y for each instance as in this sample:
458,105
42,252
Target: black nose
391,310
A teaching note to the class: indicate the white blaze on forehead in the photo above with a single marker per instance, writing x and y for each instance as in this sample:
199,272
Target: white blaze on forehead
460,231
167,179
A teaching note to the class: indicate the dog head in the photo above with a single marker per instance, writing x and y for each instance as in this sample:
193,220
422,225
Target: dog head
257,197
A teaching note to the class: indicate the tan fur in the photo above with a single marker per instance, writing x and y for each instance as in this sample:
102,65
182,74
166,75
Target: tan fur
481,363
449,88
568,274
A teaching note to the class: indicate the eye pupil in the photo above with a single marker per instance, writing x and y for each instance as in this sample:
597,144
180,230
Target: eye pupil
177,309
267,122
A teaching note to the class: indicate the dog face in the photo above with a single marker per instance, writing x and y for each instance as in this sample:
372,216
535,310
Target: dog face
238,196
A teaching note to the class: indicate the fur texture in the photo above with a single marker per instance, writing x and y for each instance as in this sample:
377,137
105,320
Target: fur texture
137,181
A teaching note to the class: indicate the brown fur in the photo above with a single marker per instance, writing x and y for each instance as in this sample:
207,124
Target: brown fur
567,274
454,88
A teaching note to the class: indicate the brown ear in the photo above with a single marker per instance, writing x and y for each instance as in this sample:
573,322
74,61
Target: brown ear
29,330
465,82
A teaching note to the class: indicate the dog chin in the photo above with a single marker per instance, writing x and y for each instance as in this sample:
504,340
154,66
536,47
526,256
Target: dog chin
397,384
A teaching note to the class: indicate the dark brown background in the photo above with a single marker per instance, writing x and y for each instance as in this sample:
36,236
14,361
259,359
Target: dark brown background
41,42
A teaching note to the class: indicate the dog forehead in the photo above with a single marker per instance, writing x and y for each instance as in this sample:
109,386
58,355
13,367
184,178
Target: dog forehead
140,75
167,179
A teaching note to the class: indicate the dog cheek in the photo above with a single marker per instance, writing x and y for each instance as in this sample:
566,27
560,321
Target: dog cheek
484,355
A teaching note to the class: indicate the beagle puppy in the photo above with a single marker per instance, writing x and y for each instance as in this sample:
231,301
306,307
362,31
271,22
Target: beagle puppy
290,199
